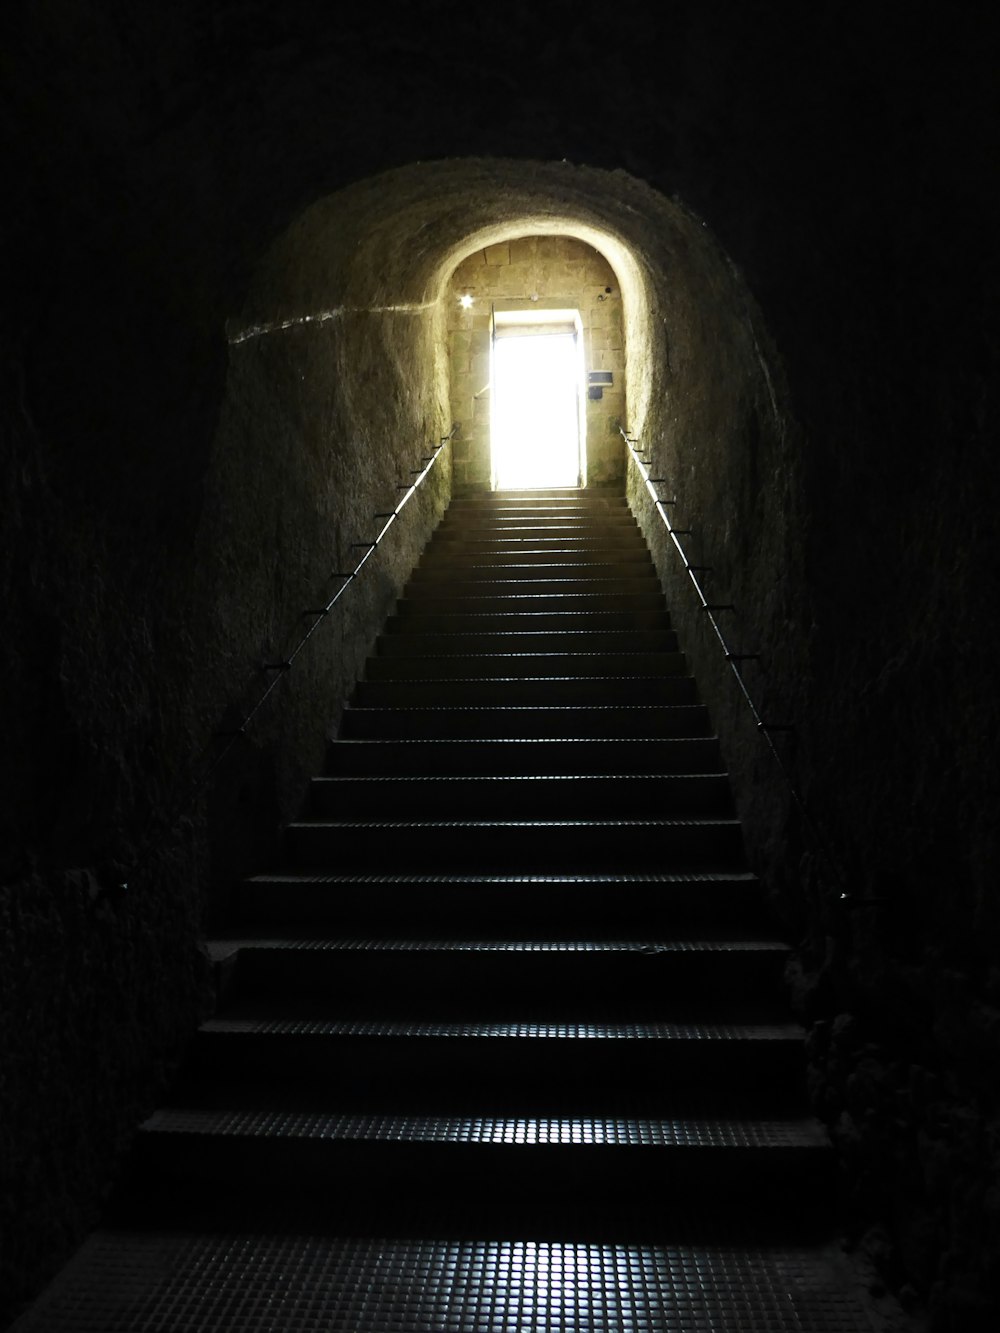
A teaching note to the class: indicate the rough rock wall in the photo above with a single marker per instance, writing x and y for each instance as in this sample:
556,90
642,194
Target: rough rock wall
855,547
173,503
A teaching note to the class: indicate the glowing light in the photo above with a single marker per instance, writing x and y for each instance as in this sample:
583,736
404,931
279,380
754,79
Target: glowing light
466,302
536,431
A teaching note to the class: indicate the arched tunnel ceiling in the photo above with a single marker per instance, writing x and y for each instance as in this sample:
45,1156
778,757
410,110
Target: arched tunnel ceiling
387,246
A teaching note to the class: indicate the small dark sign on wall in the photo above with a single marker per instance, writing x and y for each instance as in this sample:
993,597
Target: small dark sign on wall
597,382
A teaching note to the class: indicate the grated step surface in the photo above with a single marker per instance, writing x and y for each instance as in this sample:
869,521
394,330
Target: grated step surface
526,690
504,1046
431,569
486,603
492,1130
537,517
536,641
513,664
606,904
518,1031
511,620
544,755
526,721
241,1281
527,796
527,556
506,975
539,845
407,944
455,584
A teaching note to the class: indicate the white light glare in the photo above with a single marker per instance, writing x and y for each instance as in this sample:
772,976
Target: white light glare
466,302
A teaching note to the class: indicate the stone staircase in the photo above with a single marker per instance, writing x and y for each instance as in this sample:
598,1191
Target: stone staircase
504,1045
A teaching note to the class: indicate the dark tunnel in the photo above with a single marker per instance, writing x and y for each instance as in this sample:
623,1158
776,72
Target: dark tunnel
230,240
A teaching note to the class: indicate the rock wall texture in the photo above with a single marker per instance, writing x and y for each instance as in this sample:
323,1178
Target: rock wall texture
801,212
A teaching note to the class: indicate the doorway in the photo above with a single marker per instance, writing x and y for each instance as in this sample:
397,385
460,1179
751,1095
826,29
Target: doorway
537,416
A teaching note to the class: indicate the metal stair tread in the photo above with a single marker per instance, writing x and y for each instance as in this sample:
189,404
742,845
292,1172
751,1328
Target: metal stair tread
449,640
576,1131
224,945
524,740
565,617
438,585
499,1030
525,708
423,878
640,654
333,779
441,565
411,1060
513,823
522,680
253,1277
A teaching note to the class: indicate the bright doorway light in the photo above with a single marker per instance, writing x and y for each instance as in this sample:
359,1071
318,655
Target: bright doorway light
536,402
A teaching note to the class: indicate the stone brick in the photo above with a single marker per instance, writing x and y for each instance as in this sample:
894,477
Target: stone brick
558,270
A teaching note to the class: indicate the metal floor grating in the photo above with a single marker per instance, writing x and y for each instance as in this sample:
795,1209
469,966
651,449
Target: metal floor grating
272,1283
403,945
575,881
358,1027
653,825
561,710
491,1130
527,741
451,779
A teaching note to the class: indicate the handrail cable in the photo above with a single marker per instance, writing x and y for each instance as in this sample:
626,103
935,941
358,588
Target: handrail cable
278,670
766,729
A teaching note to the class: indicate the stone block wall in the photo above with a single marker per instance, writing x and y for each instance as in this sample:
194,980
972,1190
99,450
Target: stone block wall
560,272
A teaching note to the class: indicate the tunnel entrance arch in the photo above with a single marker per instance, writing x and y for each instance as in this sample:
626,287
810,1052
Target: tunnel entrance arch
511,290
366,328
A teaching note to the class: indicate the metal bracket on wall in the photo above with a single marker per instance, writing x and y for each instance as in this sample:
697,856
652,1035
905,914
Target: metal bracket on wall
277,671
766,729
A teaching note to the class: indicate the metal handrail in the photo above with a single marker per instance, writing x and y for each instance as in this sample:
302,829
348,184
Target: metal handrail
766,729
278,670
